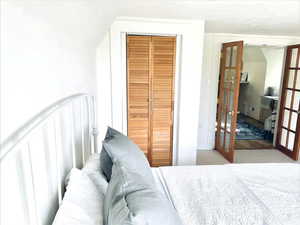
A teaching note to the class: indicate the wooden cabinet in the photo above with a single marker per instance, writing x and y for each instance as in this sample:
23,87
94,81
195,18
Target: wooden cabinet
150,93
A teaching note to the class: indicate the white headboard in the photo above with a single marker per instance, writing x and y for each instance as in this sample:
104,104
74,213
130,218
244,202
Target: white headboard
35,160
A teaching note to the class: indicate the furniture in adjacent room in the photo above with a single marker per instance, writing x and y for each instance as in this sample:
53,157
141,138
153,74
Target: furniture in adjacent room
267,106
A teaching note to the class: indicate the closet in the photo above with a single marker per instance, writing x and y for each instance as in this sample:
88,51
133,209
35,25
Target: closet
150,94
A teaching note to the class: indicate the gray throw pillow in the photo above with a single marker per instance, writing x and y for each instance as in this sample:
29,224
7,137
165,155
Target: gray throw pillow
106,164
105,160
132,197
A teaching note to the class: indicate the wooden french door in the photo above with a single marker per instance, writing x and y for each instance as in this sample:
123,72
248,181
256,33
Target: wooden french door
229,85
150,91
288,134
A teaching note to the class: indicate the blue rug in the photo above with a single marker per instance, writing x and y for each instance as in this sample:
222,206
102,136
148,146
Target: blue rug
246,131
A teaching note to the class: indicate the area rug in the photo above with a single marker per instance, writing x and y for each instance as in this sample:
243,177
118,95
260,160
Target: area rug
246,131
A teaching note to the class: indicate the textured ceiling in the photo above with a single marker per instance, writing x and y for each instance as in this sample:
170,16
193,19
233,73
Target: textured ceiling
228,16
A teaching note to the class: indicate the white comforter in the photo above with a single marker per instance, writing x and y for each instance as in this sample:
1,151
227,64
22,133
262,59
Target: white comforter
238,194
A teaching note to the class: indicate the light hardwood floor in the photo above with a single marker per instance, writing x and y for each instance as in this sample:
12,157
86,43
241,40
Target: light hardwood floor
253,144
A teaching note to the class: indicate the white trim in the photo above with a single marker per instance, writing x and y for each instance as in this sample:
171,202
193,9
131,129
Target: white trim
110,71
279,97
256,36
176,96
124,83
191,40
177,99
159,21
152,34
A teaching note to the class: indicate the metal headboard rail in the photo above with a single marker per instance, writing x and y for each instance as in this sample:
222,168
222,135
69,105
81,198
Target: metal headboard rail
23,132
45,148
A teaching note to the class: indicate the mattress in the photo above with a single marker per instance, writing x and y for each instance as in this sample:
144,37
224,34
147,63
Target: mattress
236,194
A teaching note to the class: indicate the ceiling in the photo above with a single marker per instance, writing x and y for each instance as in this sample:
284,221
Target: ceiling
87,21
268,17
82,21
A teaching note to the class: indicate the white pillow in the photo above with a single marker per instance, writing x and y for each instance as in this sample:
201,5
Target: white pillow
93,163
83,200
93,169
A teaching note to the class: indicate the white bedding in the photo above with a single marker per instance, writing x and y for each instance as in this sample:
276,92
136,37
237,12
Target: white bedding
237,194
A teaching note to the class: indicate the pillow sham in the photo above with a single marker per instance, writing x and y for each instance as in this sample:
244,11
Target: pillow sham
106,161
132,196
118,147
82,203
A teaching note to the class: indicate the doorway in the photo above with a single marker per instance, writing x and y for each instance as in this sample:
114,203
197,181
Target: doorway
249,96
258,97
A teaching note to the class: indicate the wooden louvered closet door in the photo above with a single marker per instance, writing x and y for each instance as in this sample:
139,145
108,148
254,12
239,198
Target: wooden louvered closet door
138,65
150,91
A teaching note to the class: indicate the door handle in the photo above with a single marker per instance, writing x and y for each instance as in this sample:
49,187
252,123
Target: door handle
231,113
238,112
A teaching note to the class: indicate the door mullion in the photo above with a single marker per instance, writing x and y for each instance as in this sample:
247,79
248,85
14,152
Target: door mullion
150,111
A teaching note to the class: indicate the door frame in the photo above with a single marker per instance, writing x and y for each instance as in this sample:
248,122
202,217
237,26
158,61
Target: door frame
190,70
176,86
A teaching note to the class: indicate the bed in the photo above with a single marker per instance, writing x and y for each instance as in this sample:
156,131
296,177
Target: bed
38,157
233,194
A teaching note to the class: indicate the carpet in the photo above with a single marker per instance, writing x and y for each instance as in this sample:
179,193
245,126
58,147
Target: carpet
246,131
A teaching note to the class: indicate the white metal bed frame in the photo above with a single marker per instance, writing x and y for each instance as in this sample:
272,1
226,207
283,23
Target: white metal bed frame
35,160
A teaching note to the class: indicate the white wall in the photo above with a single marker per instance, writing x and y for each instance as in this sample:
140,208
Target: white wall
254,63
104,95
264,66
274,57
47,52
210,74
187,91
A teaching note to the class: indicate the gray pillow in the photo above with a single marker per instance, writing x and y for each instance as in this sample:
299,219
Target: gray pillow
106,164
105,160
132,197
